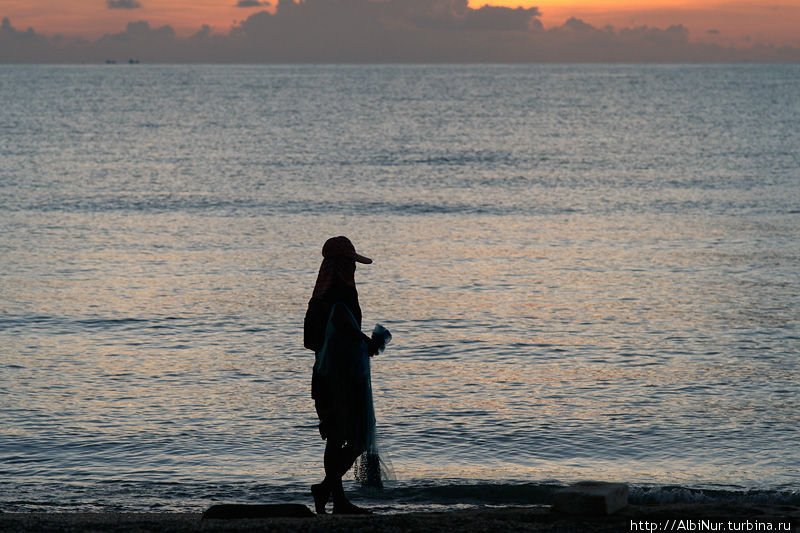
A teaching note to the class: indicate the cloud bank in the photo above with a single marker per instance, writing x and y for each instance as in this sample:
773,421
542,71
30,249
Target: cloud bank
383,31
123,4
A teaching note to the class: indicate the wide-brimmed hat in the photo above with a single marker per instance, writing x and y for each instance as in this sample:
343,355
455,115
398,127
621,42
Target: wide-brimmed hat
342,247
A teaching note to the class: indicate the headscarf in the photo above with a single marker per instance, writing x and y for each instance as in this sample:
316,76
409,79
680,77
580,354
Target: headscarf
338,266
334,271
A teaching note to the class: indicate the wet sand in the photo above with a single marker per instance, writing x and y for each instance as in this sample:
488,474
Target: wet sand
673,517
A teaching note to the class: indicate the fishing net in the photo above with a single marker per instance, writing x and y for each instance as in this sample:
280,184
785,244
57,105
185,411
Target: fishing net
372,468
344,365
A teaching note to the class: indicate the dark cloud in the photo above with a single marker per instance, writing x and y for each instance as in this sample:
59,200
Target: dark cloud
123,4
140,31
252,3
454,15
386,31
577,25
503,19
391,30
22,46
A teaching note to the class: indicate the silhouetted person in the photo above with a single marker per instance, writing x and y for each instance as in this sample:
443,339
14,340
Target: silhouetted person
339,385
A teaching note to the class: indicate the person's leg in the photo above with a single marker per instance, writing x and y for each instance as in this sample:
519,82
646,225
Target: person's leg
347,457
321,495
341,505
333,475
338,460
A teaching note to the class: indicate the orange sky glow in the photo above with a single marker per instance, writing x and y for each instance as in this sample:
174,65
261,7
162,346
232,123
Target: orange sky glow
738,22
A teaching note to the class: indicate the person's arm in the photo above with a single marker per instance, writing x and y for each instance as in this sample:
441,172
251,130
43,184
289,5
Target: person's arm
344,322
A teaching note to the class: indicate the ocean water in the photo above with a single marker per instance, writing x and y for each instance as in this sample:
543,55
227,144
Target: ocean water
590,272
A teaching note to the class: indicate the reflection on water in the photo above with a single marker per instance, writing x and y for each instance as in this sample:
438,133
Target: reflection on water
570,296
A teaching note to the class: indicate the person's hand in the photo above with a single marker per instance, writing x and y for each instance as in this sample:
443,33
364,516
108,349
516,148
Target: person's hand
372,347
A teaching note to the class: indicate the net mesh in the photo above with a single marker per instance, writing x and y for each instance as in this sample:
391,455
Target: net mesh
373,468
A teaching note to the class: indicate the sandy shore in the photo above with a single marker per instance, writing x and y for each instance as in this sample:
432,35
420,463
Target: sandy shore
678,517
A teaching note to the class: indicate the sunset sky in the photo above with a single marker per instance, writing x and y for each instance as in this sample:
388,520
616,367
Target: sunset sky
728,23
